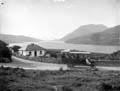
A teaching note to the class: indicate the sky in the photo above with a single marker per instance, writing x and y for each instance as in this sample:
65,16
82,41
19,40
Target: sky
53,19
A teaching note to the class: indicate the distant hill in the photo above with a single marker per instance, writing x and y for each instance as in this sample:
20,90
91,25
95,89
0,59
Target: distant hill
16,39
84,30
110,36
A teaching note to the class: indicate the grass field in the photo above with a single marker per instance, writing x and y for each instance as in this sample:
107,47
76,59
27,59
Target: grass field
16,79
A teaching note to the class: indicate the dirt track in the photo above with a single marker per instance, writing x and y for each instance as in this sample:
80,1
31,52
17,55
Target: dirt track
27,64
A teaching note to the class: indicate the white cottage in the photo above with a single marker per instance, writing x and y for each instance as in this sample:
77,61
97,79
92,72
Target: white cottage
32,50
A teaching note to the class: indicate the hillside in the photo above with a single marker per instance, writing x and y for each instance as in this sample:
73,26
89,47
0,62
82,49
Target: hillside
16,39
110,36
84,30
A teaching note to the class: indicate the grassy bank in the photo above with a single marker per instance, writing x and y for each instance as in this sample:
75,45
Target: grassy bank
16,79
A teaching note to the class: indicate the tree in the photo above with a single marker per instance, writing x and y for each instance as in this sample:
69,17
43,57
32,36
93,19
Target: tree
16,48
3,44
5,53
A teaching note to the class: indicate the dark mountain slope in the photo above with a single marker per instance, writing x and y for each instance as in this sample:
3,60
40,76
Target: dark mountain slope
84,30
110,36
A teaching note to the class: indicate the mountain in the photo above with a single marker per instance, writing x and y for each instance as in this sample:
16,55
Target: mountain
16,39
84,30
110,36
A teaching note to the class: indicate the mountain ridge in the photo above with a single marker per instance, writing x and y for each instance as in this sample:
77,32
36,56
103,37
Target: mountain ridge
8,38
110,36
84,30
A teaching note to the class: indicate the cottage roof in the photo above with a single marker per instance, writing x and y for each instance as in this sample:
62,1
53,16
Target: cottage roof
33,47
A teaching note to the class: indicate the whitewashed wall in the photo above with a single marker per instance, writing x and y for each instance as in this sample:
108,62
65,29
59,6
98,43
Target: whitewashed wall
25,53
42,53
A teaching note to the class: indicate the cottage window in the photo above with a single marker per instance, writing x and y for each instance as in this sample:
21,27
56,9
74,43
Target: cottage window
40,52
29,53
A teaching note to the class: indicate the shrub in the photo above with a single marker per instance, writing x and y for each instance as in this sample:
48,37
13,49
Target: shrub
16,48
77,84
5,60
110,86
66,88
4,52
61,69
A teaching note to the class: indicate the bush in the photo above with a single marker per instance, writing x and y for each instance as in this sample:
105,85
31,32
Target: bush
66,88
110,86
61,69
4,52
16,48
77,84
4,60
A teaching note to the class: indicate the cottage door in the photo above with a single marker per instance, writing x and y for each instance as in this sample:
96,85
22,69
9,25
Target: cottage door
35,53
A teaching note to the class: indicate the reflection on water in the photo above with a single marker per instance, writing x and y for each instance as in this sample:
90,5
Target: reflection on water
81,47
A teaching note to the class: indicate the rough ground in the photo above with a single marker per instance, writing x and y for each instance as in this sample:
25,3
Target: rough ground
16,79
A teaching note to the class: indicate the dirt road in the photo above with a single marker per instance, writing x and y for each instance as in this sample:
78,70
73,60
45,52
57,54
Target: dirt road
27,64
